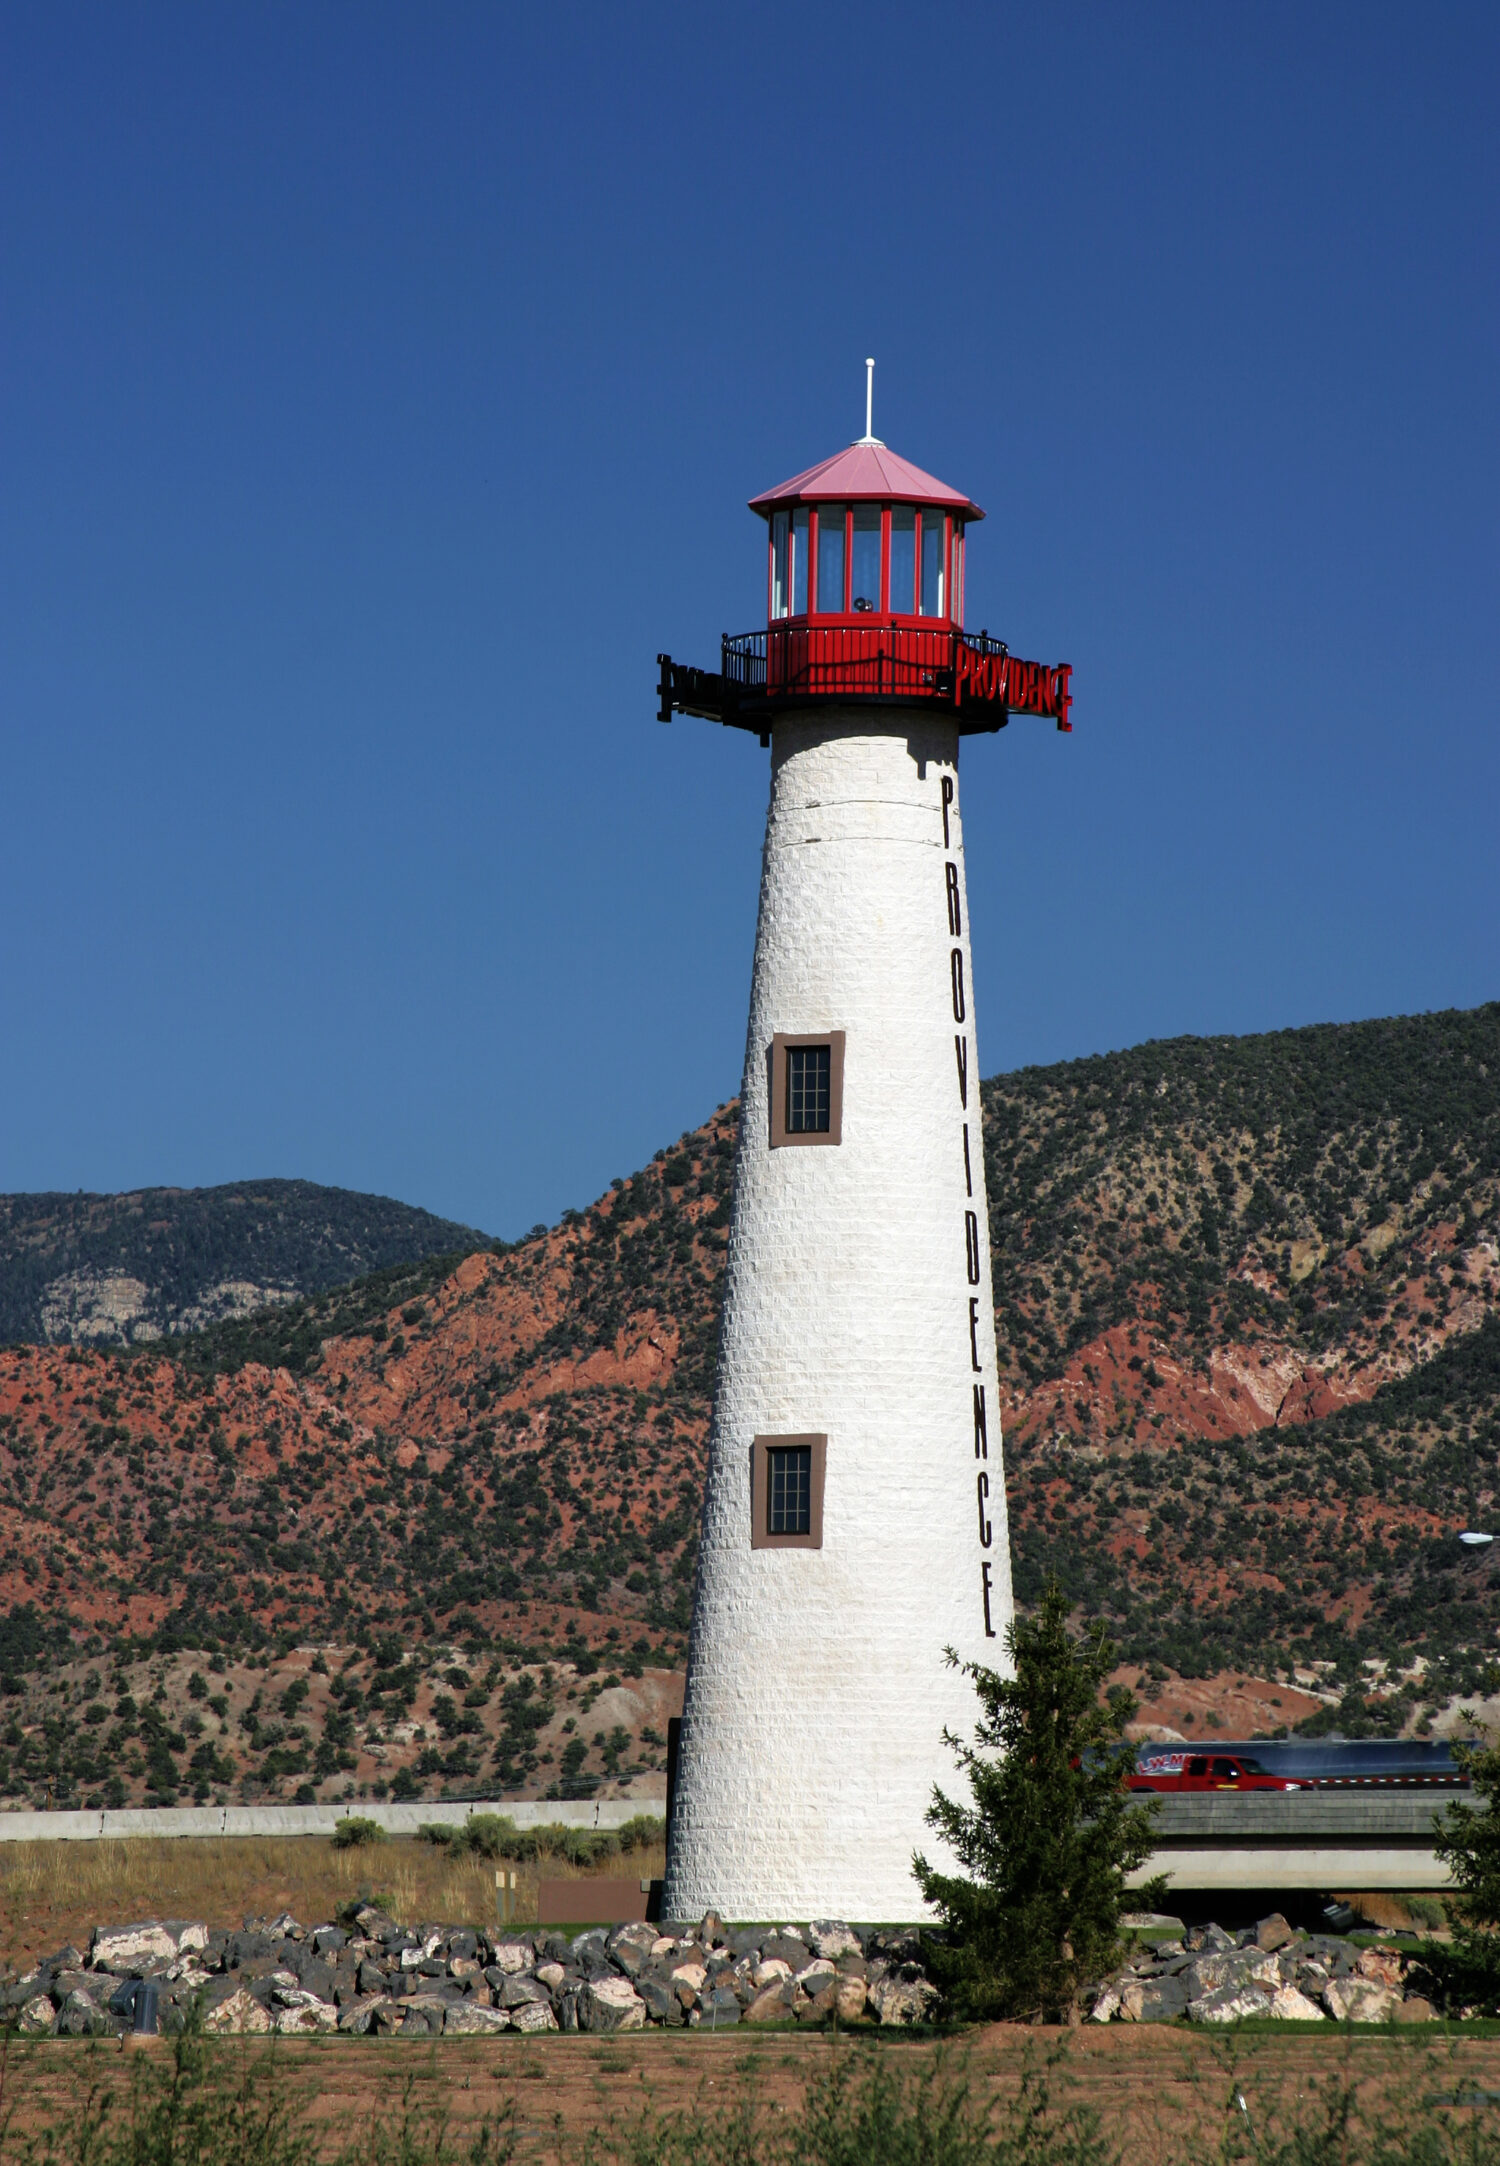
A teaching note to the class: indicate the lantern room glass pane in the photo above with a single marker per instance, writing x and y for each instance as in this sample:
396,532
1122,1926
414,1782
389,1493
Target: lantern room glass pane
956,577
931,604
799,564
864,563
780,547
903,561
830,559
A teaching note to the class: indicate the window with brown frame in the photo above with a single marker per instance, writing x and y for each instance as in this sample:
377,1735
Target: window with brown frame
786,1492
807,1088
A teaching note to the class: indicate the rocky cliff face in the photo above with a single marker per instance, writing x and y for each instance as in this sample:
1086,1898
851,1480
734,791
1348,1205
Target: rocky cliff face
1246,1293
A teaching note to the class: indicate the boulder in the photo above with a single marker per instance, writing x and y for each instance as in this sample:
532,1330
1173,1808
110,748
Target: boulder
535,2016
1359,2000
1107,2002
240,2013
1290,2006
1273,1933
849,1998
1414,2010
358,2017
896,1999
810,1974
662,2004
329,1939
612,2004
715,2009
513,1955
1231,1967
121,1947
831,1937
370,1978
772,2005
516,1992
1153,2000
470,2020
38,2017
785,1947
1384,1965
551,1975
422,2015
305,2012
81,2017
1230,2003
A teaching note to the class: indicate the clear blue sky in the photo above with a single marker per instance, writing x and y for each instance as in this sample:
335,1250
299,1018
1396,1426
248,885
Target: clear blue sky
382,388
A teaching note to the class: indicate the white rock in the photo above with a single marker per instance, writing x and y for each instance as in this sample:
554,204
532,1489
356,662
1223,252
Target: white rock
765,1974
38,2017
550,1975
831,1937
1229,2003
537,2016
512,1956
895,2002
414,1958
1290,2006
611,2004
666,1945
822,1968
469,2019
305,2012
1106,2005
121,1946
241,2012
1359,2000
688,1974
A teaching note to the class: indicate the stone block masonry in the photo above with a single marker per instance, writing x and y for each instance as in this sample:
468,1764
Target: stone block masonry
856,1313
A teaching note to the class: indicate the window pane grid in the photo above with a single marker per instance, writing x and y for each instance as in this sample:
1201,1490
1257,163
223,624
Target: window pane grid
791,1490
808,1089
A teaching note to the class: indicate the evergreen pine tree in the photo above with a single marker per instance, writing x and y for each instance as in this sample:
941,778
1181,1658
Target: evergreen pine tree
1051,1834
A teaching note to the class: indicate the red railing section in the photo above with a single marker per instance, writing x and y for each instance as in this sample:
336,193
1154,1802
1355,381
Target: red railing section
763,671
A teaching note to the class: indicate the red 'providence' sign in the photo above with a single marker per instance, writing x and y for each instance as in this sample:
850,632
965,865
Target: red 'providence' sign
1021,687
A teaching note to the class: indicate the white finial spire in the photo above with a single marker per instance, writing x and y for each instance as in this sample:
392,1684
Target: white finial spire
869,436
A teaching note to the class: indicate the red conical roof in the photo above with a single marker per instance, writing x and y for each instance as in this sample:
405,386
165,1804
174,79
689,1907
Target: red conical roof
862,471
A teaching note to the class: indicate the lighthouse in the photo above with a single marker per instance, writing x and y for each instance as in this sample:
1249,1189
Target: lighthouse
854,1523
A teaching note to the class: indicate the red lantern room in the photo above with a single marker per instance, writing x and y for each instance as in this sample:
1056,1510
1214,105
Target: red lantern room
865,603
866,538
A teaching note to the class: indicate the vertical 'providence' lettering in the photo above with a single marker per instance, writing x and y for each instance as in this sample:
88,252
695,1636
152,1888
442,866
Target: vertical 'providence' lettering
973,1262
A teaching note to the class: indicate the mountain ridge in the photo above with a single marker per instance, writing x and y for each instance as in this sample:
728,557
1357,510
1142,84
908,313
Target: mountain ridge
1246,1292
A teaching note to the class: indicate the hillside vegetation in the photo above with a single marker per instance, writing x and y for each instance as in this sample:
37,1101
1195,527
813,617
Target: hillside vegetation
122,1270
1246,1291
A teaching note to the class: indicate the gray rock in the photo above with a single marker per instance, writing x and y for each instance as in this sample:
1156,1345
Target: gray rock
1154,2000
516,1992
662,2004
329,1939
788,1948
537,2016
715,2009
357,2017
612,2004
470,2020
81,2017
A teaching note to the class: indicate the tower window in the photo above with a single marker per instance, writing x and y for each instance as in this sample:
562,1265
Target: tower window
786,1491
807,1087
791,1489
807,1077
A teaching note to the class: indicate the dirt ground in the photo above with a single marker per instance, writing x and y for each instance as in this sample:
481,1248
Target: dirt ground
1162,2094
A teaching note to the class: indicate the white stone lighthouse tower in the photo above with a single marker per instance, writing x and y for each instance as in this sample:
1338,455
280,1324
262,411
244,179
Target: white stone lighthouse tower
854,1523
